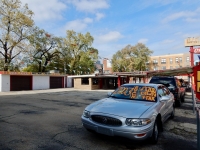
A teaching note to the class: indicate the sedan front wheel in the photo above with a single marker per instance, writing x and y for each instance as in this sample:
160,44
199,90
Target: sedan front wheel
154,137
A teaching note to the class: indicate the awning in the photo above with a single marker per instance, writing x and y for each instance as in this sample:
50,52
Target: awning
185,71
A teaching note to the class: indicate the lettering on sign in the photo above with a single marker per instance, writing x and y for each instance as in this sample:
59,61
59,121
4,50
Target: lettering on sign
194,41
148,93
197,50
137,92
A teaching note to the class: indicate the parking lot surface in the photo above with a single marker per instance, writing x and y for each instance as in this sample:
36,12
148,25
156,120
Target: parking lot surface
51,120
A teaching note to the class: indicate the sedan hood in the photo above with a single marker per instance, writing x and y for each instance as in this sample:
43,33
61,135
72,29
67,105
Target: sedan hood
120,107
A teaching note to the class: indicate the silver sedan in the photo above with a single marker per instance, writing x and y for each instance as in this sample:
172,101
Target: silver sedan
134,111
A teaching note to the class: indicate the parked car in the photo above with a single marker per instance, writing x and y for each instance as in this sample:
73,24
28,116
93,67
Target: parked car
134,111
174,85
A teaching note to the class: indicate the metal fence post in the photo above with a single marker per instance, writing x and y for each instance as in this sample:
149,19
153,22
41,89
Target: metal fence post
198,129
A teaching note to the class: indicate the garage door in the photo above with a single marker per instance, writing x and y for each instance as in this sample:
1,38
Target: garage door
19,83
56,82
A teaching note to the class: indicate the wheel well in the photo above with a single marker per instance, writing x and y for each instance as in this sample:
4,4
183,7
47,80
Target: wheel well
159,122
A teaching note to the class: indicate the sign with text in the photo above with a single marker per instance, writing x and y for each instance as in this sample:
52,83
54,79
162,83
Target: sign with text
196,81
195,50
194,41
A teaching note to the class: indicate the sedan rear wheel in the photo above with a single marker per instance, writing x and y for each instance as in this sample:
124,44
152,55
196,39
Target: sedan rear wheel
178,102
173,113
154,137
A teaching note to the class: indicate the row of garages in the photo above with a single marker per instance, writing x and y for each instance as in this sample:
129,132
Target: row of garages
19,83
32,82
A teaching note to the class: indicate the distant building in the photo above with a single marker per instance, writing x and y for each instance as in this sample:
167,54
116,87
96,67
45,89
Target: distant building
107,65
170,61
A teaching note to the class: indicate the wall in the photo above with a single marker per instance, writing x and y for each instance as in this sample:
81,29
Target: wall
69,82
4,83
78,85
174,64
40,82
107,66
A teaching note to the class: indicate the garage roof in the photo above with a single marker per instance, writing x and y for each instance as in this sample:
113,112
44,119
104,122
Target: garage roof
171,72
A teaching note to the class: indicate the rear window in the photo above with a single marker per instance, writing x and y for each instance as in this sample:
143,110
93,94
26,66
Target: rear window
169,82
141,93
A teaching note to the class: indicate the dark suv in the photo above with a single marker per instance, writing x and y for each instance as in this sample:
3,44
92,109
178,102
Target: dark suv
174,85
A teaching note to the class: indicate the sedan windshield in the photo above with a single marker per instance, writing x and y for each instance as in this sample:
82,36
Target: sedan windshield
135,92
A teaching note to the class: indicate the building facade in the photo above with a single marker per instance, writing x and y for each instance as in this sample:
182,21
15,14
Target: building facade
170,61
107,66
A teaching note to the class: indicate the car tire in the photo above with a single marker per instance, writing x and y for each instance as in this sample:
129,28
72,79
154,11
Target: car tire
178,102
154,137
173,113
183,98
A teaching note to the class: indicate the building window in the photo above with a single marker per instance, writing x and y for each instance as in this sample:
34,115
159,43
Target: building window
180,59
176,66
163,61
163,67
155,68
171,60
171,67
85,81
95,81
155,61
187,59
176,59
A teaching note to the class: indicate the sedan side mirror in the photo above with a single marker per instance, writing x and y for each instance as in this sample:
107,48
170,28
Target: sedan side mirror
164,98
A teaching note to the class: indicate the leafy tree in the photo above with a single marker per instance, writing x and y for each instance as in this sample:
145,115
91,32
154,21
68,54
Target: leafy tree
131,58
15,26
80,51
44,48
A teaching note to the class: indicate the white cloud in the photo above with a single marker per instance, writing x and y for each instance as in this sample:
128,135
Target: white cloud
78,25
109,37
89,5
99,16
88,20
175,16
46,10
144,41
188,16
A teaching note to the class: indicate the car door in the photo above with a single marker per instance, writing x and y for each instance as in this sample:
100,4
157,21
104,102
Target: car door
162,91
163,109
170,102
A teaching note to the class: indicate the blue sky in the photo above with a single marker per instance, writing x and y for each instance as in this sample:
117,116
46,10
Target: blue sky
162,25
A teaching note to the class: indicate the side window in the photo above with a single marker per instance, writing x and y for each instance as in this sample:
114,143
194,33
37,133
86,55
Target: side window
160,91
166,91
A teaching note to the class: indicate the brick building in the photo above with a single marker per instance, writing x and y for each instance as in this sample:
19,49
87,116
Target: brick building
162,62
170,61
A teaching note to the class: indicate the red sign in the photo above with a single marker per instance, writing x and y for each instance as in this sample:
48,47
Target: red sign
196,81
196,50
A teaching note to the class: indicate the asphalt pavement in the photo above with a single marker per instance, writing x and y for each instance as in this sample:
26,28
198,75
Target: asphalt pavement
50,119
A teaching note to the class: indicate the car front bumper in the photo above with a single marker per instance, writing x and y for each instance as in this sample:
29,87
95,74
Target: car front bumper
135,133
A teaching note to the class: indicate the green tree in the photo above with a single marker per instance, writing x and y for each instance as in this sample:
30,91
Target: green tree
80,51
15,26
131,58
44,48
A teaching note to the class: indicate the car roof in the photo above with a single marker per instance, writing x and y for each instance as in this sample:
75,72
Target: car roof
142,84
165,77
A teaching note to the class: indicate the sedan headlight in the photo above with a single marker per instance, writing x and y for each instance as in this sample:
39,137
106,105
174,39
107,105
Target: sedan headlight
137,122
86,114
